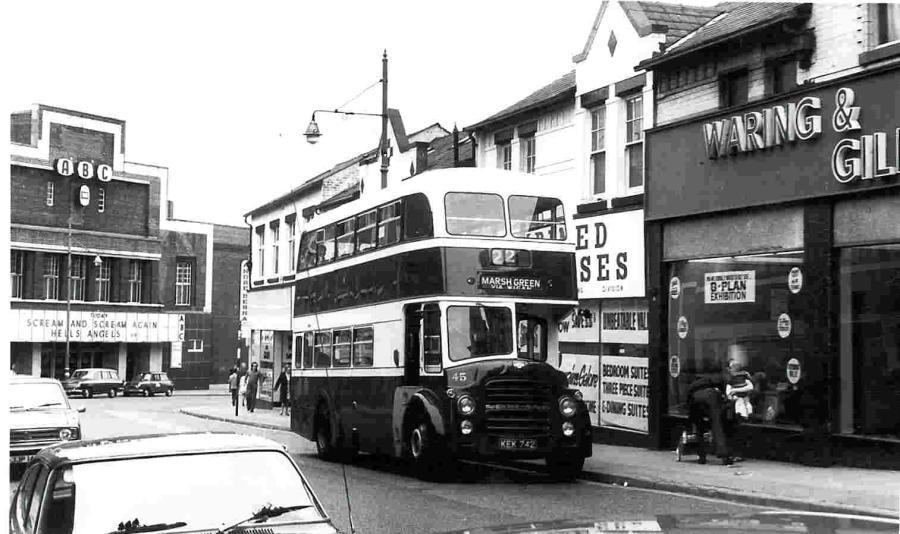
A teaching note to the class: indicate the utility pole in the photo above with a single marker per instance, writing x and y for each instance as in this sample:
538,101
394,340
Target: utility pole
384,121
68,274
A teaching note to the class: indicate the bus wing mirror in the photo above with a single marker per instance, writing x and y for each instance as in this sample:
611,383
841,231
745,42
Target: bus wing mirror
396,358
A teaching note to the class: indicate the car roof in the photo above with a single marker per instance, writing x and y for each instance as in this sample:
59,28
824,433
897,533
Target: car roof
95,369
28,379
150,445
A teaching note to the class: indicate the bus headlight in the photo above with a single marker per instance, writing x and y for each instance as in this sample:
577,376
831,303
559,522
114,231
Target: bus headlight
65,434
568,429
465,427
466,405
567,406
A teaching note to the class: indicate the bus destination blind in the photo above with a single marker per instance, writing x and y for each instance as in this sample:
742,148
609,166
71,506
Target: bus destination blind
511,282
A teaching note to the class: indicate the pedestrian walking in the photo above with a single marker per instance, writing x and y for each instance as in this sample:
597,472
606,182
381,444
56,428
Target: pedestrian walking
283,385
242,389
233,386
254,380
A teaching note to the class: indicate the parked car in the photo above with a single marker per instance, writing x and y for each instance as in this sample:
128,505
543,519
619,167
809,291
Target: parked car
194,482
149,384
39,416
87,382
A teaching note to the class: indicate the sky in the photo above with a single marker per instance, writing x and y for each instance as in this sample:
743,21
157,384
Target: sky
221,92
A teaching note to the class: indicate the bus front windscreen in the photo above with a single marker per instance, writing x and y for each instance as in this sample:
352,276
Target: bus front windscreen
475,331
537,218
476,214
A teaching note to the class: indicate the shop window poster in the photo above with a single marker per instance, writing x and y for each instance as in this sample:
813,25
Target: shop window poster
624,393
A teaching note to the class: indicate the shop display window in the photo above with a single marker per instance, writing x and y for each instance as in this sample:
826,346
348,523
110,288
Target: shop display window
741,308
870,340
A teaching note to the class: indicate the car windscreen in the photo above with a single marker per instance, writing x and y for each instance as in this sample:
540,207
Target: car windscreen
475,214
203,490
36,395
537,218
475,331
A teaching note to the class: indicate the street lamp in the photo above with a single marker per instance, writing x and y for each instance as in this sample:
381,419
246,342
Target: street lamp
313,133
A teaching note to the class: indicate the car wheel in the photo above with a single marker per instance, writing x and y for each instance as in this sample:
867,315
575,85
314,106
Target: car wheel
169,392
111,393
84,393
146,392
89,393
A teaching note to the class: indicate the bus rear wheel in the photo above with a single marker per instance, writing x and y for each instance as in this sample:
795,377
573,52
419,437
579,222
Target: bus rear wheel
565,467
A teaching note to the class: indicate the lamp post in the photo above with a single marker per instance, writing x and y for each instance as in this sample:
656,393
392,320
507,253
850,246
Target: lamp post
313,133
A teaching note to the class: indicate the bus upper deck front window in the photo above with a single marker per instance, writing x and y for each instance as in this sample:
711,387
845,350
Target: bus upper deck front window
475,331
476,214
537,218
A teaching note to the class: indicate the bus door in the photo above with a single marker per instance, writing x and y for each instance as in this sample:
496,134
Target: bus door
423,346
531,334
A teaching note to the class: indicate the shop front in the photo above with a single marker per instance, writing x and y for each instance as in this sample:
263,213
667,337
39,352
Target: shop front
127,342
603,343
774,241
272,349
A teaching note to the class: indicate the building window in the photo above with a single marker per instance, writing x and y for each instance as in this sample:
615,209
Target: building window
781,76
276,237
598,150
389,224
183,283
292,237
504,155
17,272
77,271
634,140
888,19
51,276
102,280
101,200
261,251
194,345
527,149
135,280
734,88
49,193
345,238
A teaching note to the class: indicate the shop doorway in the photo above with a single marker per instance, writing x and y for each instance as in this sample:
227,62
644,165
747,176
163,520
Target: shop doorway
137,360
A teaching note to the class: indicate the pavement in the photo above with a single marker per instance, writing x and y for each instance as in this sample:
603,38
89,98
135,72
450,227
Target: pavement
214,390
753,482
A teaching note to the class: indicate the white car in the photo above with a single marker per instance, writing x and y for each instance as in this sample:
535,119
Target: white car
39,416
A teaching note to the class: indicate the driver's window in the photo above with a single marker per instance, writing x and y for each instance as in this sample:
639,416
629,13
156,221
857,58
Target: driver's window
23,497
431,339
532,338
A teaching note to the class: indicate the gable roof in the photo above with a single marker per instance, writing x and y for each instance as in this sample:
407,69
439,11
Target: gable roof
440,153
556,91
739,19
673,20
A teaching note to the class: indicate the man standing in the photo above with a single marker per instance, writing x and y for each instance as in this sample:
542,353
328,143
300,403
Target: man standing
254,379
233,386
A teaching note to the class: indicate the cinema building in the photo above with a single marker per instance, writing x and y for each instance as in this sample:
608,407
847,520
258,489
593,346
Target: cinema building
93,244
773,227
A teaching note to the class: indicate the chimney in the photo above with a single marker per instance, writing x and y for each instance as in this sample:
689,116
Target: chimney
455,146
421,157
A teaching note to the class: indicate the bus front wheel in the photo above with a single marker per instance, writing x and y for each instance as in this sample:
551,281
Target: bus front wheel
565,467
428,461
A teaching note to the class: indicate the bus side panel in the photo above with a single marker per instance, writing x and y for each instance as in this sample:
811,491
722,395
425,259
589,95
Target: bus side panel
372,413
303,406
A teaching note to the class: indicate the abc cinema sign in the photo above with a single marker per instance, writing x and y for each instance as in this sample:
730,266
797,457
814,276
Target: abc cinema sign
84,169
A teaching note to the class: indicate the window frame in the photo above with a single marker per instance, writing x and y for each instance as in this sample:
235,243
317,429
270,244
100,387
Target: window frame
502,207
881,29
55,261
17,274
727,81
360,229
383,223
103,283
51,193
342,226
316,345
194,345
344,344
597,153
275,229
291,222
101,200
189,285
135,283
77,281
554,223
527,153
504,148
261,250
356,343
634,103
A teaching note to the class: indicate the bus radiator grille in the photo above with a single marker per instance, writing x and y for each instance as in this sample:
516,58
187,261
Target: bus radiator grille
517,406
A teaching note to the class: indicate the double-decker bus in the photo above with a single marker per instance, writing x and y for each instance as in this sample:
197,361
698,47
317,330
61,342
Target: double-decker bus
424,316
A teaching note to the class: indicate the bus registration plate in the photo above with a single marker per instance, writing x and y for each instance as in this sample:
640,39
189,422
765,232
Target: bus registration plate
509,443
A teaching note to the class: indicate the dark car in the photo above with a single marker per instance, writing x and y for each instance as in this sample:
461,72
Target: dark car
149,384
88,382
200,482
39,416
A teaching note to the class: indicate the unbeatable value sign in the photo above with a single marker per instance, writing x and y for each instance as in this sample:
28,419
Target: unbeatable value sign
729,287
509,282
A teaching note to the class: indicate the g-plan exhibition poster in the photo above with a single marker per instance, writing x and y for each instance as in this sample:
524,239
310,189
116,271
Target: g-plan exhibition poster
624,393
729,287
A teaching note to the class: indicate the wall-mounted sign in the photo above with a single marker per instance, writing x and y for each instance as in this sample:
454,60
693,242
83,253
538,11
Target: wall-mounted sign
729,287
583,373
509,282
624,321
795,280
102,327
682,327
581,325
624,393
610,255
175,355
243,311
783,325
675,288
757,130
84,195
793,370
674,366
865,157
84,169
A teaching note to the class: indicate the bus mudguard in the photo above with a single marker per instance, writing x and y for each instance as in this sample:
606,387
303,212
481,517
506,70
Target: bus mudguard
432,406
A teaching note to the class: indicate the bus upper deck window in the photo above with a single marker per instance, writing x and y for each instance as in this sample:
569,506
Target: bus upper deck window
537,218
475,214
365,231
345,237
389,223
